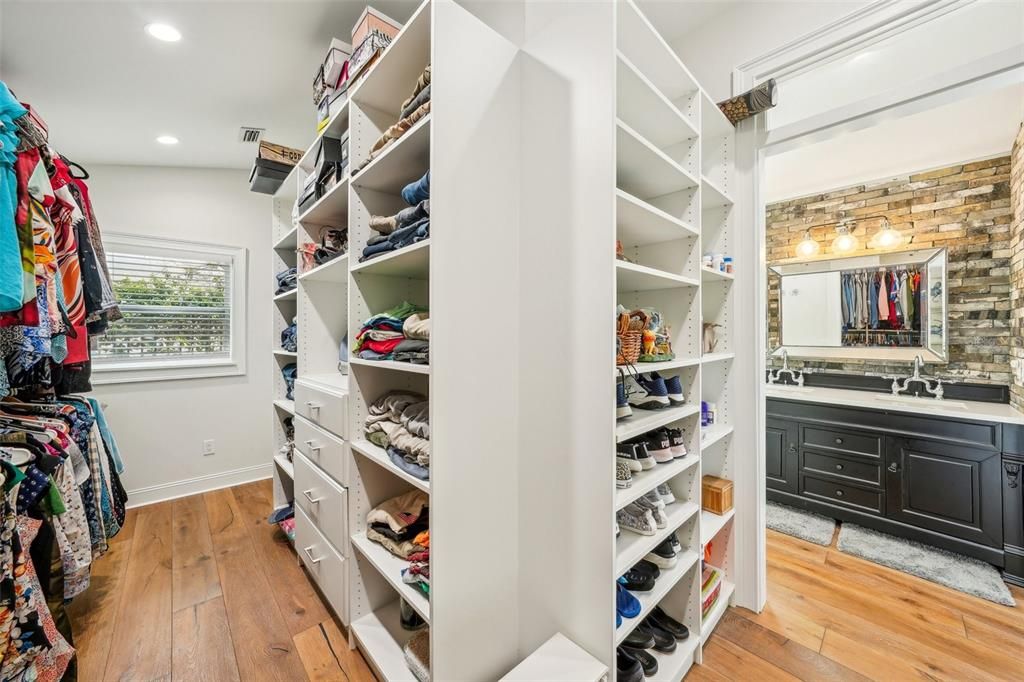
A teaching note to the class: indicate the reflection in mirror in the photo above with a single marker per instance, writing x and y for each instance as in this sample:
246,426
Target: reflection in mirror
884,306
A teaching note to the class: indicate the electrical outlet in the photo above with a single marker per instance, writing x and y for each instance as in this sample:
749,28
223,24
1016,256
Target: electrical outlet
209,447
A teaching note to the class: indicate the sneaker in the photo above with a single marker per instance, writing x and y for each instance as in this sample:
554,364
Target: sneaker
626,453
646,393
645,458
669,624
653,498
626,604
623,477
647,660
663,555
409,619
636,580
674,387
638,639
627,667
674,541
636,519
663,641
647,567
622,409
657,446
660,519
665,494
675,441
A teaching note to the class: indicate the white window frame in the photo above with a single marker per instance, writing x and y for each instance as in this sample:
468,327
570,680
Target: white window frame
179,369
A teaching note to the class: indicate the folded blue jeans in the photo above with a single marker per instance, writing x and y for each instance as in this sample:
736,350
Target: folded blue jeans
417,191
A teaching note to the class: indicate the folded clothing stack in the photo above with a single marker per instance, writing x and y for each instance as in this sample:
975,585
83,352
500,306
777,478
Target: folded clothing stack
385,337
408,226
413,109
286,280
288,373
418,573
398,523
399,422
290,337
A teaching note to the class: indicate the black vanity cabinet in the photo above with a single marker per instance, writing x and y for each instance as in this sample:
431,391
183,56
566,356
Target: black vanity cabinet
937,480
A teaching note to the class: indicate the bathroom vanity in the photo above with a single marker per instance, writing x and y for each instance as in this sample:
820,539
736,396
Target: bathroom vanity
943,472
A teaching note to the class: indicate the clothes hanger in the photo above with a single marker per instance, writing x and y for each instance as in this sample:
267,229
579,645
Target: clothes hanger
72,167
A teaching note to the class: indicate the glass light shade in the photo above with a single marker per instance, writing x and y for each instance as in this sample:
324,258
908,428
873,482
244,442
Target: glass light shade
886,237
808,248
844,242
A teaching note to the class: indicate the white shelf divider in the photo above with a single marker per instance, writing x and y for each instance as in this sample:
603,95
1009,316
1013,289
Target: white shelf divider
643,421
379,456
390,567
632,547
649,479
711,524
663,366
381,637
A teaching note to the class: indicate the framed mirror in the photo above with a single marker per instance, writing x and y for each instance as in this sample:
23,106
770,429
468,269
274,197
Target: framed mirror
889,306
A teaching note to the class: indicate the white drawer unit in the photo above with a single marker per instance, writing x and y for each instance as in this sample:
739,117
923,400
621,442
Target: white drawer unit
324,502
324,408
327,567
323,449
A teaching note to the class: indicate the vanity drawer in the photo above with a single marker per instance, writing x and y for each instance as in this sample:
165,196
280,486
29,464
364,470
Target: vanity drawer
324,408
324,502
870,501
325,565
323,449
857,470
848,442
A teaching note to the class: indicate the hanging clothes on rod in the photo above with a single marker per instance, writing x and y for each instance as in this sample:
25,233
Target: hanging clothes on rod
877,304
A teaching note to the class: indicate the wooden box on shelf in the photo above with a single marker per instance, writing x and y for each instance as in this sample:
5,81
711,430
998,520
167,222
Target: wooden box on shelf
716,495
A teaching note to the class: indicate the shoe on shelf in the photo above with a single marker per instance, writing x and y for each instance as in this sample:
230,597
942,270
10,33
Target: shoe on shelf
646,393
617,531
623,477
669,624
409,619
674,541
636,519
622,409
628,668
627,605
637,581
663,641
665,494
639,639
626,453
674,386
645,458
647,661
663,555
653,498
675,439
644,566
660,518
657,446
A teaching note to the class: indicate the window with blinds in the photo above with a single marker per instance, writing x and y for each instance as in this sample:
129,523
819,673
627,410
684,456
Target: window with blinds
179,306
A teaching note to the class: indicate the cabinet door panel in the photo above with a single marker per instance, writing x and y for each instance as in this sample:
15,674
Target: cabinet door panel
781,455
947,488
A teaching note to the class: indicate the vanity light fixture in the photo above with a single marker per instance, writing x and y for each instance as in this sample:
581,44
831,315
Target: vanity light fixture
844,242
164,32
887,237
808,248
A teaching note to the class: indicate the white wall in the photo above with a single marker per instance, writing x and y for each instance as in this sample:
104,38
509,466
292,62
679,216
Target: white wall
160,426
747,30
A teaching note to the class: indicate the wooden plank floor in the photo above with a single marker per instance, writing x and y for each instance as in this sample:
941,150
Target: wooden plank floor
202,588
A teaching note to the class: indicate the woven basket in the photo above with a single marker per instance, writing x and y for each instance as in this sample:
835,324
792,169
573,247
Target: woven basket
629,336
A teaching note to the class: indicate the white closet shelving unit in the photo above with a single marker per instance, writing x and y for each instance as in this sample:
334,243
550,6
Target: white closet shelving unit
284,235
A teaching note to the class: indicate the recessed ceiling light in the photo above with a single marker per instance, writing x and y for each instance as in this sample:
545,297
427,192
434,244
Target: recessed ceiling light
164,32
167,139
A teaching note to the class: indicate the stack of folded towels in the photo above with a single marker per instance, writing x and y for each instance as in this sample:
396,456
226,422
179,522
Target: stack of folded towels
408,226
399,422
401,526
401,333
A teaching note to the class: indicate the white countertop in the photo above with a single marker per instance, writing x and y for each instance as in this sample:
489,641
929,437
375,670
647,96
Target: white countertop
956,409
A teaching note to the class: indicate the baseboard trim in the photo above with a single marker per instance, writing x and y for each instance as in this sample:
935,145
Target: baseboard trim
200,484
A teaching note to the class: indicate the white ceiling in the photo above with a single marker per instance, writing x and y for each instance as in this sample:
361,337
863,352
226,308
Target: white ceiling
977,127
106,89
673,18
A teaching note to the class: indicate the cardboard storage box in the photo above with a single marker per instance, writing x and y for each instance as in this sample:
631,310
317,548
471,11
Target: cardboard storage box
334,63
279,153
716,494
372,20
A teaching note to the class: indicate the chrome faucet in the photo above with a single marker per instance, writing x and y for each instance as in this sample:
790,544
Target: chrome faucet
916,378
794,376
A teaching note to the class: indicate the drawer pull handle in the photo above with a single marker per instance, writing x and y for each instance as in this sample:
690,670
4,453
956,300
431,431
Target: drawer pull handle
839,493
839,441
309,553
839,467
309,496
792,447
893,467
309,444
313,406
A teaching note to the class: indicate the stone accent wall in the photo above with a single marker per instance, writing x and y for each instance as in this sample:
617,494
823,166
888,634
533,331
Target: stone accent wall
1017,271
965,208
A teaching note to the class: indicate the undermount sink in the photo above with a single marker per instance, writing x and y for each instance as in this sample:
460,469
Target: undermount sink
790,388
914,400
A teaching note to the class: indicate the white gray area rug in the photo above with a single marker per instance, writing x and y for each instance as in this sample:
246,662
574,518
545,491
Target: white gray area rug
800,524
959,572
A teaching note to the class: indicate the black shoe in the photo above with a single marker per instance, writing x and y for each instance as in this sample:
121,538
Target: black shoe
663,641
663,555
409,619
630,455
669,624
647,567
674,541
647,661
628,667
637,581
639,639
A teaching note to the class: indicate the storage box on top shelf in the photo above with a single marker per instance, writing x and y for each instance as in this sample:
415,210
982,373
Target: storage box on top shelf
365,54
272,165
372,20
